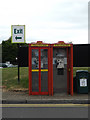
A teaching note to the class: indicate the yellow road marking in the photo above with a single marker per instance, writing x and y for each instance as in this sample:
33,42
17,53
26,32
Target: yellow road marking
44,105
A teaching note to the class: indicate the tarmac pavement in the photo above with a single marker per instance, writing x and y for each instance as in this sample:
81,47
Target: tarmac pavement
22,97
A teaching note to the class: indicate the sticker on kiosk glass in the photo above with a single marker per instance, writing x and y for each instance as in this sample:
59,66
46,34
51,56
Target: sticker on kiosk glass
83,82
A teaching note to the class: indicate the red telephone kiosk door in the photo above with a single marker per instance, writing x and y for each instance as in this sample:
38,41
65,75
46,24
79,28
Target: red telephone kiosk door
39,70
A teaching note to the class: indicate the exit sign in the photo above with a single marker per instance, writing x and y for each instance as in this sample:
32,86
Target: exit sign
18,33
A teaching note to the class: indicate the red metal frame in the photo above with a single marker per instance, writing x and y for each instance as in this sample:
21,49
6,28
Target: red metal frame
30,74
69,48
61,44
68,70
30,71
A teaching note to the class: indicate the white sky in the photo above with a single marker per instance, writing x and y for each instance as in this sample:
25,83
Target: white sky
46,20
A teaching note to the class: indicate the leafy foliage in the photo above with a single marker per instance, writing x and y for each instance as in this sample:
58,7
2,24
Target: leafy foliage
10,51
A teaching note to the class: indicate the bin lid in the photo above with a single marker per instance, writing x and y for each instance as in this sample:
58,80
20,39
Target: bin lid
82,71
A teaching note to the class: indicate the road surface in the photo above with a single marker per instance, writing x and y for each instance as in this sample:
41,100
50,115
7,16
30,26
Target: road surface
45,111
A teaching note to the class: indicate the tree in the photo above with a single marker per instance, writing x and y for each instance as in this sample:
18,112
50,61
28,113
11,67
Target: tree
10,51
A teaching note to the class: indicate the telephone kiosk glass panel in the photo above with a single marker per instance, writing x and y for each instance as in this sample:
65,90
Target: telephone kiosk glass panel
59,70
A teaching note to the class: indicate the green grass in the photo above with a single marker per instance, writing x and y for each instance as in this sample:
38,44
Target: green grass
10,77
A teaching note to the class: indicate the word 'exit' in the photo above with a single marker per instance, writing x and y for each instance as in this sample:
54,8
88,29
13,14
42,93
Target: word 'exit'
18,31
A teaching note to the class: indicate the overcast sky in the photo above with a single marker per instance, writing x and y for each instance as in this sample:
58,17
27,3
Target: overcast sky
46,20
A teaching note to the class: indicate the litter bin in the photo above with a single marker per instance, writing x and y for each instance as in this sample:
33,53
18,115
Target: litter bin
82,79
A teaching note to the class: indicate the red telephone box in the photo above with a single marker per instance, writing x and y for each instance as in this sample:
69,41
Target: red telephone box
41,65
39,69
67,50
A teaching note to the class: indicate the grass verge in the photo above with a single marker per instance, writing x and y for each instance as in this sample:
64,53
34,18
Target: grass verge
10,77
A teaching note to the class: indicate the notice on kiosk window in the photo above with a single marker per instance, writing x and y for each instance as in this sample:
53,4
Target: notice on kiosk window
83,82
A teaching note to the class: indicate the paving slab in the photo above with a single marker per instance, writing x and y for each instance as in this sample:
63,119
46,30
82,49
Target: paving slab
11,97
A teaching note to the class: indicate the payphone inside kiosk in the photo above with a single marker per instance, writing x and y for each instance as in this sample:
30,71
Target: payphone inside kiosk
50,68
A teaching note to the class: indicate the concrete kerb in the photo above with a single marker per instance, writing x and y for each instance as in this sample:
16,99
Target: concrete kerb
67,101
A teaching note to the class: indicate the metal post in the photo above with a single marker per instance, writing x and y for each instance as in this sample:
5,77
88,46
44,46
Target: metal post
18,67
